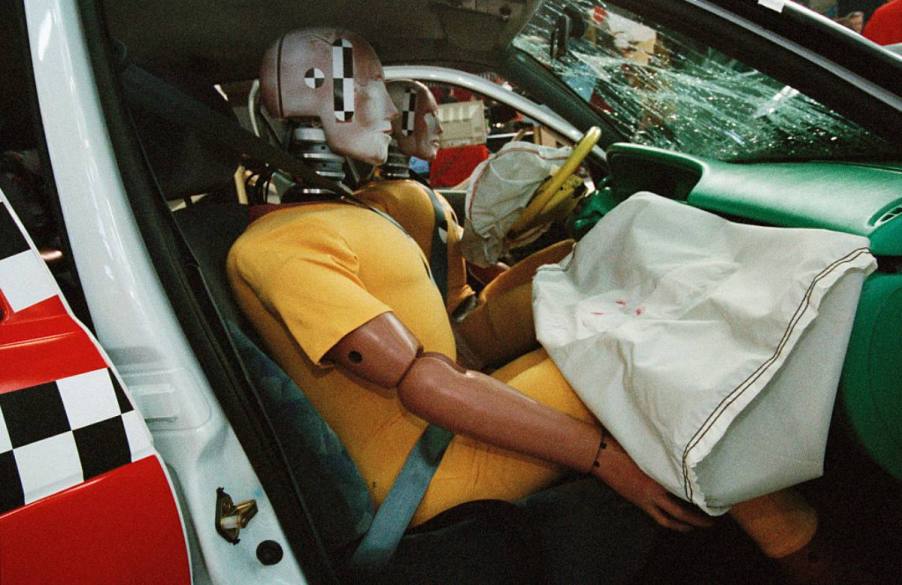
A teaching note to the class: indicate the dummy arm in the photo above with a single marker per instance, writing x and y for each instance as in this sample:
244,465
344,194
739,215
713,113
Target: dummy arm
384,352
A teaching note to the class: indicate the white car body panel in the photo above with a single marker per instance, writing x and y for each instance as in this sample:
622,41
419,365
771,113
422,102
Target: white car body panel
132,316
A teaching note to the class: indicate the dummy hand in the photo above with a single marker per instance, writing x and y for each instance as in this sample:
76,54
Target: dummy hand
620,472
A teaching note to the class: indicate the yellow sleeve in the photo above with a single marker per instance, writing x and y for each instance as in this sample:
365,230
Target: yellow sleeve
308,278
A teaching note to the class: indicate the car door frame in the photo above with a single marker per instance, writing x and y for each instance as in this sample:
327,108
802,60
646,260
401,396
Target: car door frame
125,253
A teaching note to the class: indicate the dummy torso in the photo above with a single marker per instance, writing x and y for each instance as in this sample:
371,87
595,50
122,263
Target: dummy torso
409,204
308,275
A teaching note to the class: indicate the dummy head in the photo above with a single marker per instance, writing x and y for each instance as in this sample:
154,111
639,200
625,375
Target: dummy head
418,129
335,77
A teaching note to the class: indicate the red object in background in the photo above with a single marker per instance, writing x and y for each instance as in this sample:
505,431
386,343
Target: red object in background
119,528
42,343
462,95
885,25
599,14
453,165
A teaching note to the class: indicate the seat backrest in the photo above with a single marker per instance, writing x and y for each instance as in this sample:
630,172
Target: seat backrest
336,494
186,165
210,230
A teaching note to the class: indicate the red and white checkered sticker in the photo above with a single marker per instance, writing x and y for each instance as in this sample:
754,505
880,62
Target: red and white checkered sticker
64,415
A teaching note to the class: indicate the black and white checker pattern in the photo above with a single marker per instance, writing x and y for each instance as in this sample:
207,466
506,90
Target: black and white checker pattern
314,78
408,112
343,79
57,435
24,279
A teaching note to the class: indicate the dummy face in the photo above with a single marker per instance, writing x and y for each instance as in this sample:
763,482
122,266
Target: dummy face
418,129
336,77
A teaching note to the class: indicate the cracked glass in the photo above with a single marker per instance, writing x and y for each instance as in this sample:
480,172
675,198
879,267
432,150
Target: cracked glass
660,88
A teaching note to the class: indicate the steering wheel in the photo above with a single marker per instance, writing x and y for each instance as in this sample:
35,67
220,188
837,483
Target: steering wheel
550,198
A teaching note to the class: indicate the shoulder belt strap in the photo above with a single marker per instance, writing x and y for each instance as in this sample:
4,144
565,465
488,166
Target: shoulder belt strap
168,102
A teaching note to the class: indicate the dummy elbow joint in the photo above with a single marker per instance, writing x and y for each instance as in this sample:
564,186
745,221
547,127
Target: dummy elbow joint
380,351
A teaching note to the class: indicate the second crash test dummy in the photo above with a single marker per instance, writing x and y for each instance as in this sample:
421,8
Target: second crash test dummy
494,326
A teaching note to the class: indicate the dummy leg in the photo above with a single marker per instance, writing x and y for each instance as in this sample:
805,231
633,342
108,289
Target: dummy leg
783,525
500,328
780,523
523,271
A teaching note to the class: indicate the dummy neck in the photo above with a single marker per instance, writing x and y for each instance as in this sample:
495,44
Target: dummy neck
397,166
308,143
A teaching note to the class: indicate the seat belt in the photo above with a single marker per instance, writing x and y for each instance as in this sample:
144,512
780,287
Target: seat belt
167,101
393,516
438,254
407,491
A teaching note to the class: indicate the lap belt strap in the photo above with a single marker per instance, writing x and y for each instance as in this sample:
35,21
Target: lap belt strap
395,513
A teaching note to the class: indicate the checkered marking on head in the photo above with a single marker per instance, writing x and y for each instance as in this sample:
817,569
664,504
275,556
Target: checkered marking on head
314,78
56,435
343,79
408,112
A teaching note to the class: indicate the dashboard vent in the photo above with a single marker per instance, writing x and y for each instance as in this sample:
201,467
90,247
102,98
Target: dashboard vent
889,215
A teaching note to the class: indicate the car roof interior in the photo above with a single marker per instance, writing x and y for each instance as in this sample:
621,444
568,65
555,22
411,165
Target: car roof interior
203,39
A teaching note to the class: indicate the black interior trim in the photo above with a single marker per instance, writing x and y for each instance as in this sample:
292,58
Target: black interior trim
168,102
197,315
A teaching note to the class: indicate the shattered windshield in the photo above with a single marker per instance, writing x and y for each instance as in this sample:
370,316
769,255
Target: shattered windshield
661,88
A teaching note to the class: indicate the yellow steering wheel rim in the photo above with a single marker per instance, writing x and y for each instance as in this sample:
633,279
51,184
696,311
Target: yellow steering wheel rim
550,194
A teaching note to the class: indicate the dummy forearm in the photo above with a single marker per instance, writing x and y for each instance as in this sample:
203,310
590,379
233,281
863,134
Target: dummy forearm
476,405
384,352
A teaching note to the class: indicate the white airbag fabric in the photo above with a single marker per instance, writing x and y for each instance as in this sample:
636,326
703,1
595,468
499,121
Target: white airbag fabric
499,190
694,341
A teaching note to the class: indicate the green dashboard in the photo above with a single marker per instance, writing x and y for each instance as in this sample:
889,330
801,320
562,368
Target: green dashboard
862,199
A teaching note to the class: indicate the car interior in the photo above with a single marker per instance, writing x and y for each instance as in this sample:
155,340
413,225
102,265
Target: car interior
190,193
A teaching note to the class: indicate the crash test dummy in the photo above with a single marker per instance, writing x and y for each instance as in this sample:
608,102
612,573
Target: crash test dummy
486,334
343,299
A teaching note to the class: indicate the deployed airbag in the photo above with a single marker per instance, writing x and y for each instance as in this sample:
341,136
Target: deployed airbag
711,350
500,189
